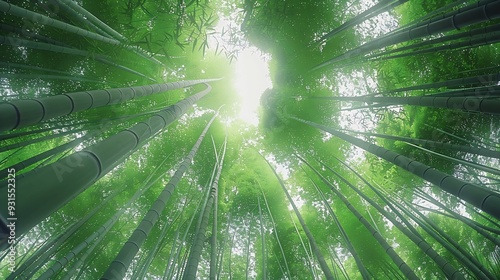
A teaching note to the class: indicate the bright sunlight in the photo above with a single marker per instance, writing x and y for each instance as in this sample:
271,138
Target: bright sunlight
252,79
251,65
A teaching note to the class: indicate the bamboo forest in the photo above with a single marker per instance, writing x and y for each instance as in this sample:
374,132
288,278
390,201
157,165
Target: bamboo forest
249,139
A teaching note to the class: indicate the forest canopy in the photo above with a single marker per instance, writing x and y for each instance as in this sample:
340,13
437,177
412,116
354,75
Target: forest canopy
255,139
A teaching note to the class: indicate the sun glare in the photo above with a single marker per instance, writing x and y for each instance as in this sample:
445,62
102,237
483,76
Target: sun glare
252,79
251,66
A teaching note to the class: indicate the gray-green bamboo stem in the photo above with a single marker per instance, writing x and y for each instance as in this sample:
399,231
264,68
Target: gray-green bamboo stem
470,104
435,145
263,242
195,253
448,269
472,14
94,19
312,241
275,231
362,269
449,243
45,20
41,193
380,7
98,234
487,201
403,267
21,113
213,239
18,42
120,264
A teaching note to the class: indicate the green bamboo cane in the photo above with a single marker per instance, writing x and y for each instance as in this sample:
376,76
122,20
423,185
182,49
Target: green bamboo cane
435,145
18,42
403,267
461,254
195,253
120,264
50,247
362,269
275,230
380,7
94,19
317,252
45,20
21,113
97,235
487,201
442,39
41,193
473,14
467,103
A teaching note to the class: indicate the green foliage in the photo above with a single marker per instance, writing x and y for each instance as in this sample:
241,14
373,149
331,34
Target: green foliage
177,33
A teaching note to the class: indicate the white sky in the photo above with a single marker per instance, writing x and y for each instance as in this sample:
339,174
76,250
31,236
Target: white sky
252,79
251,65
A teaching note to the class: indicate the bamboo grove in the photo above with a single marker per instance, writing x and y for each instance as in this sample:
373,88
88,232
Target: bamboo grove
119,158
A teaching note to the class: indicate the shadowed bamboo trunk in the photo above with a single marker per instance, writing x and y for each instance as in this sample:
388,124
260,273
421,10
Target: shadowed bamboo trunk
18,42
435,144
485,200
28,34
449,243
120,264
61,126
21,113
48,77
475,41
485,227
59,149
174,257
223,246
472,14
99,233
486,79
380,7
41,193
230,261
75,16
45,20
275,231
433,17
495,239
463,162
213,239
195,253
80,262
263,248
39,139
93,19
473,264
309,258
402,266
247,235
436,14
9,64
312,241
442,39
42,254
470,104
362,269
82,15
141,271
490,91
448,269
